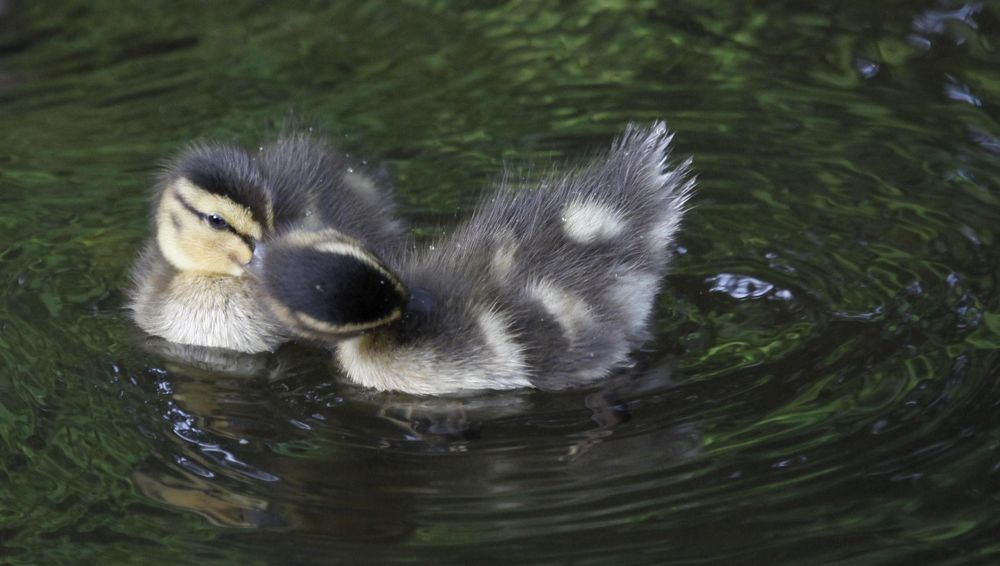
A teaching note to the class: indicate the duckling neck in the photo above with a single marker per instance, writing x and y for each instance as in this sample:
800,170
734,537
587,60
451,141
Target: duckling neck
209,311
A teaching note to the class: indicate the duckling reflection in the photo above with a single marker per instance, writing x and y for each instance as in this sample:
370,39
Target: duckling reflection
610,410
445,424
215,386
220,506
307,458
214,205
201,375
242,452
204,361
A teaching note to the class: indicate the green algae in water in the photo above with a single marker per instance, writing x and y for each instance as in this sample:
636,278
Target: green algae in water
822,386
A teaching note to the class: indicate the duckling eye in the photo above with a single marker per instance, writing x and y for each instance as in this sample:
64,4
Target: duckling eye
216,221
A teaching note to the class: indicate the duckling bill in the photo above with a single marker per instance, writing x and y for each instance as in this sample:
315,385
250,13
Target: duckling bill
550,287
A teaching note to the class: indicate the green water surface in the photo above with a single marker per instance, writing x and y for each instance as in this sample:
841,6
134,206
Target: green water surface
823,386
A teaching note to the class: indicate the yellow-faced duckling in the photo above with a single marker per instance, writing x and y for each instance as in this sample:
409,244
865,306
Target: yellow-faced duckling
214,205
550,287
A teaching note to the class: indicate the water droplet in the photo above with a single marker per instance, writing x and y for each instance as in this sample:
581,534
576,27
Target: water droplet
784,294
970,234
879,426
866,67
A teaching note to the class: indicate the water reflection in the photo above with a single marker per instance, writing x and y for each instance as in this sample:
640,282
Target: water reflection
256,443
938,22
956,90
744,287
239,453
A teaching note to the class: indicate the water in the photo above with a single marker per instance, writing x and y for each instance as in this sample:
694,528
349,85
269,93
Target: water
822,388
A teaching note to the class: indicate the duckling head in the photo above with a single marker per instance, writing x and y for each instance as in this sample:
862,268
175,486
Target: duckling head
211,211
325,285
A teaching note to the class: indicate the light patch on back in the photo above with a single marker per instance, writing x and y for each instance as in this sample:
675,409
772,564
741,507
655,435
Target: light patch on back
632,294
374,361
503,259
508,356
569,310
363,186
589,222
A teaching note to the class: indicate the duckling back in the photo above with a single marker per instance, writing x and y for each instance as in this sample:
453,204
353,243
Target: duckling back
557,283
314,186
550,287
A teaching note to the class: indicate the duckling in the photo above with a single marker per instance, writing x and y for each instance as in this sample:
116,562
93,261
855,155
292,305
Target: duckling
214,205
550,287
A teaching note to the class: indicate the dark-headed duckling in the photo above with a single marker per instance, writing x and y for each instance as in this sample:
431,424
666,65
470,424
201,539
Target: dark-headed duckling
214,205
550,287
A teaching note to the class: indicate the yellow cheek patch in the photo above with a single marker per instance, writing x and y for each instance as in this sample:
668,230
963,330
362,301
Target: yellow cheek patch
237,216
190,244
209,247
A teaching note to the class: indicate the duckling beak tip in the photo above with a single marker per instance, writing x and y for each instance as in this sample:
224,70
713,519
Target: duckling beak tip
256,264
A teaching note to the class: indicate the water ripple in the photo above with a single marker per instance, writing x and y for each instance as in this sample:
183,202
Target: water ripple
821,386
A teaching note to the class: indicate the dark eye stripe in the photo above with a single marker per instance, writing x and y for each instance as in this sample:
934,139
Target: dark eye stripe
248,240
